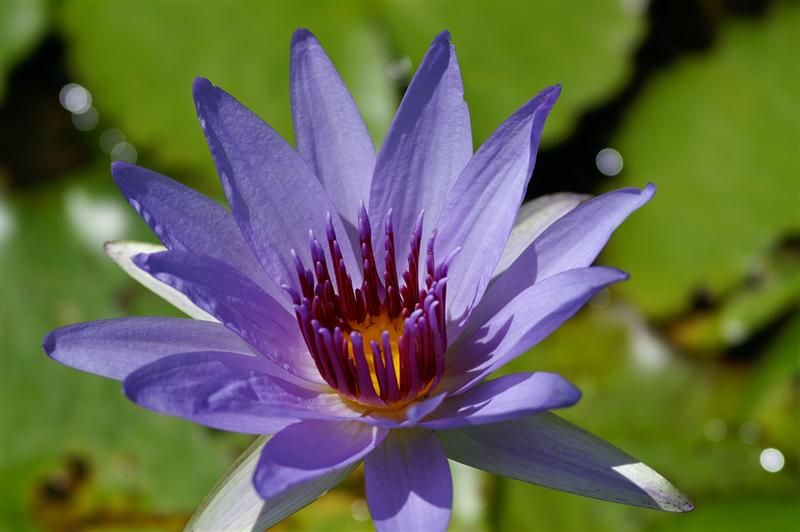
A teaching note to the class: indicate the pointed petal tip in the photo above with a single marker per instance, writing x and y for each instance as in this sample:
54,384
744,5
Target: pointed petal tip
120,172
303,35
112,246
201,87
570,391
200,83
611,275
649,190
551,94
49,344
682,507
620,275
540,104
663,494
442,38
120,166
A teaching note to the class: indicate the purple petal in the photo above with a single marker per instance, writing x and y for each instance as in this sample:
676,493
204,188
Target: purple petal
532,219
573,241
310,449
274,196
408,482
427,146
185,220
229,392
330,133
481,207
238,303
505,398
408,417
123,252
524,321
115,348
546,450
234,504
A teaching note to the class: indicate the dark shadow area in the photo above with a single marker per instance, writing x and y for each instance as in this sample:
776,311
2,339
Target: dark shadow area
38,142
675,29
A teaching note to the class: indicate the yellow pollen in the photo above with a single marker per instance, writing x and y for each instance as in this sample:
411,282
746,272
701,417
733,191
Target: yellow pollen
371,330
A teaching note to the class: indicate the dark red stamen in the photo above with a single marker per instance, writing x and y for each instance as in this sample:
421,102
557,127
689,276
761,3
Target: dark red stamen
405,324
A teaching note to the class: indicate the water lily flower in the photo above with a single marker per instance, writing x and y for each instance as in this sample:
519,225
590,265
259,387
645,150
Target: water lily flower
353,305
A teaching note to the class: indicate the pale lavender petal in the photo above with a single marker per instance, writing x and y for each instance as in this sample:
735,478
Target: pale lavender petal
185,220
274,196
575,240
427,146
237,303
572,241
115,348
229,392
234,504
408,482
546,450
524,321
307,450
329,131
532,219
481,207
505,398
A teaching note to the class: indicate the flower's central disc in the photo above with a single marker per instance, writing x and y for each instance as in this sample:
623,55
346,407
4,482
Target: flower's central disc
382,344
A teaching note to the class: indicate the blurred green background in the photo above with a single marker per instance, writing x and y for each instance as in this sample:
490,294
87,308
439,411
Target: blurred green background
693,366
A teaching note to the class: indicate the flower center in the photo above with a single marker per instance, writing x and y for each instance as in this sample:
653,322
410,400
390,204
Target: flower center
381,344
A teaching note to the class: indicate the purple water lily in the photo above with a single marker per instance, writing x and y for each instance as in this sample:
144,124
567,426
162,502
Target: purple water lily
353,305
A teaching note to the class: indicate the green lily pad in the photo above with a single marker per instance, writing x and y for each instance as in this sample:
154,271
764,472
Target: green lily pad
743,311
139,60
718,134
75,451
683,419
509,51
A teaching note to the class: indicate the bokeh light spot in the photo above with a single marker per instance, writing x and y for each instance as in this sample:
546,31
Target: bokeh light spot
110,138
715,430
771,460
601,299
359,510
87,120
750,432
124,151
75,98
609,161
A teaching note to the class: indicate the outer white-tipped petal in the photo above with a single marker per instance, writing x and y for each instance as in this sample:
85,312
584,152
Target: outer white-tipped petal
547,450
234,504
532,219
122,252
